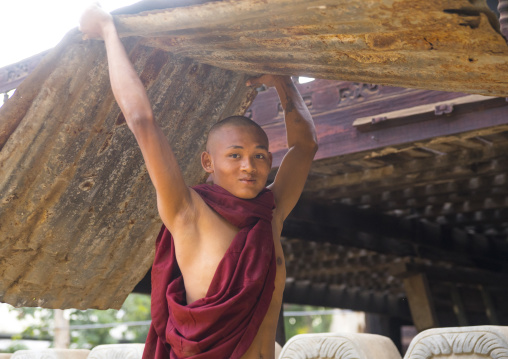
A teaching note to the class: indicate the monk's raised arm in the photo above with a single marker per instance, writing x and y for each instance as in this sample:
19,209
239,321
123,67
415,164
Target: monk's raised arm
302,143
173,196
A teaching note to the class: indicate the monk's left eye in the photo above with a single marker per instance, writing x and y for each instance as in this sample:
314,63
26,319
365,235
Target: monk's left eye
260,156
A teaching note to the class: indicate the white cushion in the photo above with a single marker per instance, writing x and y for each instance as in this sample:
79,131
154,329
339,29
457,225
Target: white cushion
339,346
117,351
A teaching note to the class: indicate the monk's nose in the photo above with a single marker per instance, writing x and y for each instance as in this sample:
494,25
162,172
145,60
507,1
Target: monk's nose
248,165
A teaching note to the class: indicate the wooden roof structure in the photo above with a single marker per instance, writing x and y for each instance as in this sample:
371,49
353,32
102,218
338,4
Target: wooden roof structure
415,196
407,193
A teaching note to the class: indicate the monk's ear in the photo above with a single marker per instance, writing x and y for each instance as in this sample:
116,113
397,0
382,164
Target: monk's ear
206,162
270,158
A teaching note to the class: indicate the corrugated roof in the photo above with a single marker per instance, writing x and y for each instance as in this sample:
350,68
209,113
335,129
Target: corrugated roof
78,214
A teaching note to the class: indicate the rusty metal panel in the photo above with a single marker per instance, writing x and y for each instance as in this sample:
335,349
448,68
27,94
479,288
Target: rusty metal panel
78,216
450,45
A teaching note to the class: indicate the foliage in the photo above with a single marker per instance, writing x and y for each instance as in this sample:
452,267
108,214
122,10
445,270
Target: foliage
14,347
41,319
135,308
294,325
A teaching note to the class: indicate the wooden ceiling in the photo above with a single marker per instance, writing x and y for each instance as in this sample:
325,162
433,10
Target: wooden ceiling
406,181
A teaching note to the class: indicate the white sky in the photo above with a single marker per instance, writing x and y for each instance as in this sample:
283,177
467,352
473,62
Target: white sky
28,27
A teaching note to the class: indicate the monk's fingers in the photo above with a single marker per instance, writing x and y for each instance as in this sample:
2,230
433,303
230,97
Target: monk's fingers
254,81
263,80
93,21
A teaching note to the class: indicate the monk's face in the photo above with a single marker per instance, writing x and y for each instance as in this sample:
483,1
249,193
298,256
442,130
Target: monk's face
238,160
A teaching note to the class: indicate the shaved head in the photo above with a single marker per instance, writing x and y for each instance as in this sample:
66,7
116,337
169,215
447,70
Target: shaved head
235,121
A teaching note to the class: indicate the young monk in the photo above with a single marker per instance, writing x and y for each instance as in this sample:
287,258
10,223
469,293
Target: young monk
218,274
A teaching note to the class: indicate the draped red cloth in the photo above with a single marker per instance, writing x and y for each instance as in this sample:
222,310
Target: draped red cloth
224,323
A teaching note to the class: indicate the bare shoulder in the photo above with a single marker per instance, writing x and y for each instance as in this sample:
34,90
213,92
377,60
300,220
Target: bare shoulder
197,221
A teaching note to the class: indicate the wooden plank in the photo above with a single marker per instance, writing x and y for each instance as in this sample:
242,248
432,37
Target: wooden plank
436,109
420,302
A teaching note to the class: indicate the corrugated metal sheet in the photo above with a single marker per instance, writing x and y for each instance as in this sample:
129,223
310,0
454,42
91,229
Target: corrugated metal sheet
78,216
77,212
450,45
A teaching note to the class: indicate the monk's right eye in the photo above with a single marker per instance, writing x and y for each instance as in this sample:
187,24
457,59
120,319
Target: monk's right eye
234,155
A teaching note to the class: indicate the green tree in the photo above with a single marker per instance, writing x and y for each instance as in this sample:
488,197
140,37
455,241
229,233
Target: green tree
135,308
295,325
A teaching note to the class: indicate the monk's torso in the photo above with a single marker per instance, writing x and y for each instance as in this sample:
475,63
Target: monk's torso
199,250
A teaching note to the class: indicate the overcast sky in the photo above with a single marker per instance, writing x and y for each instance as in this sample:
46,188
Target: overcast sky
28,27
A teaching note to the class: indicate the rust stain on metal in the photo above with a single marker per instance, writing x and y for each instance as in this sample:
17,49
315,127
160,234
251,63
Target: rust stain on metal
77,210
402,43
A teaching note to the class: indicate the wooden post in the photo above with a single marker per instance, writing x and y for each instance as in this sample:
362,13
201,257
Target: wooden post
420,301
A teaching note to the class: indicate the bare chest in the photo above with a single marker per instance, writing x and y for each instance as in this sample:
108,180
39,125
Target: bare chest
198,262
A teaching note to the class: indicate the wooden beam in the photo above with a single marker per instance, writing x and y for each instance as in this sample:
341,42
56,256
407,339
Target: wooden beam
420,302
457,166
429,193
341,296
353,227
404,116
338,137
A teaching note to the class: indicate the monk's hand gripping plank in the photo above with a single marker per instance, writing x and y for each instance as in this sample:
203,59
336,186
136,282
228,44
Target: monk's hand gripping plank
302,144
173,196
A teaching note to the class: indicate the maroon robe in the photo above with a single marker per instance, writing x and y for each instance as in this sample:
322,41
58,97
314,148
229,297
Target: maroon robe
224,323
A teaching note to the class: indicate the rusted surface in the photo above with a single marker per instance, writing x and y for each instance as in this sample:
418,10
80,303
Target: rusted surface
11,76
451,45
78,214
